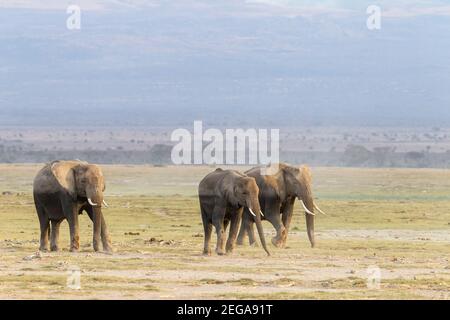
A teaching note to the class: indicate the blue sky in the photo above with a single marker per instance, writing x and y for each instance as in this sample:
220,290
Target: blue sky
313,62
416,7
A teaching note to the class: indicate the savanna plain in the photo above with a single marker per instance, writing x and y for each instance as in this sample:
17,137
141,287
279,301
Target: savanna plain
397,220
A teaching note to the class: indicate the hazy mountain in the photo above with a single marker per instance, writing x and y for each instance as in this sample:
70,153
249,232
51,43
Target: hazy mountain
242,62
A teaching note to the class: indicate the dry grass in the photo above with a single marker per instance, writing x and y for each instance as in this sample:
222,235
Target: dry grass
397,220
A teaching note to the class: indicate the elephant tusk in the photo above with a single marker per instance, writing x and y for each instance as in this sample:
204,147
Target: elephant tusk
251,211
318,209
262,214
306,209
91,203
105,204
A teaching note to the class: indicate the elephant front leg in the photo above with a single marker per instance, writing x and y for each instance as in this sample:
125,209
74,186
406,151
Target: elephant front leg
218,221
247,229
74,230
236,218
242,230
106,240
286,214
220,247
97,230
273,215
280,239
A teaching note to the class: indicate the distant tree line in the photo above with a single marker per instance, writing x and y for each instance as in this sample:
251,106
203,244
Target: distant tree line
160,154
380,157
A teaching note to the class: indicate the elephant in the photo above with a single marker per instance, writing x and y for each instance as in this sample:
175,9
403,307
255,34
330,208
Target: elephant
278,191
63,190
223,194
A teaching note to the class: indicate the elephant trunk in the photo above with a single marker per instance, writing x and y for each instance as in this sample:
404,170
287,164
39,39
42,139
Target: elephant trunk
95,199
310,229
256,211
308,202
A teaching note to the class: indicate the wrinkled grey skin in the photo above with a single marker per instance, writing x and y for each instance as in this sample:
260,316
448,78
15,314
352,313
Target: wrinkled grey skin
61,190
278,192
223,194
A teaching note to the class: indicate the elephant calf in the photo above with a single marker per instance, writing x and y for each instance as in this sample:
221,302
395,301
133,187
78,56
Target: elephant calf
63,190
223,194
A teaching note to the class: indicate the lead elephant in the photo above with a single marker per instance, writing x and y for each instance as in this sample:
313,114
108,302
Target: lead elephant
63,190
223,195
278,191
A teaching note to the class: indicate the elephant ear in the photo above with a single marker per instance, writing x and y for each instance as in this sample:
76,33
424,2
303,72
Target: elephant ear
65,175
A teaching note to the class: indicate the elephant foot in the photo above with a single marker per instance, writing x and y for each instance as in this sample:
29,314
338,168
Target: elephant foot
276,242
43,249
54,248
75,245
220,252
230,250
254,244
108,249
96,245
282,244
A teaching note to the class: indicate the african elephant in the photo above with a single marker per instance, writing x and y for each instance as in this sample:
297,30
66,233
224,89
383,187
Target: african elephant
223,194
278,191
63,190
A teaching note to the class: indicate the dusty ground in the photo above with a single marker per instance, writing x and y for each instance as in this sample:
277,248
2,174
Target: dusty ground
395,220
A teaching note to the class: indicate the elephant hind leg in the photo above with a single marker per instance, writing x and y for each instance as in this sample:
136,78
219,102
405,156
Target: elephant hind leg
208,231
55,224
71,214
207,226
44,226
218,222
226,222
